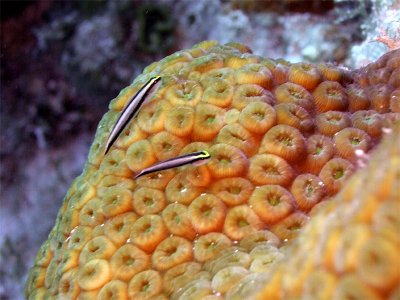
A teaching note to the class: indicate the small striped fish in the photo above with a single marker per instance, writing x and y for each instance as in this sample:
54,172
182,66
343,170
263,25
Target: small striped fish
131,110
196,158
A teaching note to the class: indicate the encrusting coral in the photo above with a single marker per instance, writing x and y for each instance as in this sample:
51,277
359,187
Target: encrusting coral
283,139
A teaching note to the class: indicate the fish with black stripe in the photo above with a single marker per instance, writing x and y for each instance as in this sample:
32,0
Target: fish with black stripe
195,158
131,110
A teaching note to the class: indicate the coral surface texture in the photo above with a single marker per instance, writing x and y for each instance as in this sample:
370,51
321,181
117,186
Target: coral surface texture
299,200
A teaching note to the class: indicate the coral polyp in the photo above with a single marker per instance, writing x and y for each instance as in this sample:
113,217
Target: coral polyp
256,219
306,75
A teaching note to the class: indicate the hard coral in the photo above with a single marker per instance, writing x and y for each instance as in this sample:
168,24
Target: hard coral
278,150
349,249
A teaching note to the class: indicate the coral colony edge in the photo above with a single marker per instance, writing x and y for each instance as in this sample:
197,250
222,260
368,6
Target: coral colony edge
299,198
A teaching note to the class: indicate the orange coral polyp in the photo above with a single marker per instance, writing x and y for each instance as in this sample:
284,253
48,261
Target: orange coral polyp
118,228
305,75
219,92
334,173
207,62
284,141
224,73
196,289
293,93
114,164
94,274
320,149
128,261
235,62
68,286
270,169
330,72
116,200
262,238
198,176
145,285
289,227
98,247
295,116
272,203
140,155
380,97
170,252
180,69
69,260
331,122
226,161
180,190
180,275
208,121
307,190
233,256
265,262
237,136
180,120
210,245
254,74
257,117
166,145
79,237
92,213
241,221
207,214
114,289
352,143
247,93
357,97
148,201
83,195
148,232
187,92
227,278
151,117
232,191
330,95
280,72
111,180
177,220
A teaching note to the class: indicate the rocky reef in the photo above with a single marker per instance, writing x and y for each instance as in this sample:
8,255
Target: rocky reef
284,141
